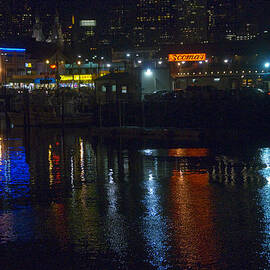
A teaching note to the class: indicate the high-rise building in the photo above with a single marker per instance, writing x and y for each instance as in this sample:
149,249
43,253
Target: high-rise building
122,19
148,23
236,20
155,23
3,18
16,19
192,21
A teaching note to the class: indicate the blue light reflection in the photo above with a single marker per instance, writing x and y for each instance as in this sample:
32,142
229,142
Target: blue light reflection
265,198
265,157
154,223
14,172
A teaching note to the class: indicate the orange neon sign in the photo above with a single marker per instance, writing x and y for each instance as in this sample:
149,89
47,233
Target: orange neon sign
187,57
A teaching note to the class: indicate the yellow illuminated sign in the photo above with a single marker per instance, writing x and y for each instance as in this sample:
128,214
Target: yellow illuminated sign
84,77
187,57
88,77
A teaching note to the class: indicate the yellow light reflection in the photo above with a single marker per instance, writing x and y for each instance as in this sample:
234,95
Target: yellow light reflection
50,165
72,172
1,149
82,159
1,155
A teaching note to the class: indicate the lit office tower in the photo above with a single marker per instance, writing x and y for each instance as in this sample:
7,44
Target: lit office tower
3,18
16,19
122,19
155,23
236,20
20,20
192,21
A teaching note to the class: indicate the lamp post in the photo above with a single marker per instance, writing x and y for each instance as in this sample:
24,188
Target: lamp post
47,70
79,65
47,64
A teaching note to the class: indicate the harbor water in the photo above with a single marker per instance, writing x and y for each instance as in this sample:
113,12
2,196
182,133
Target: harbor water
69,200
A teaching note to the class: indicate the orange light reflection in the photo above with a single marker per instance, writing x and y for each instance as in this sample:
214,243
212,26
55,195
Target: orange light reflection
193,227
189,152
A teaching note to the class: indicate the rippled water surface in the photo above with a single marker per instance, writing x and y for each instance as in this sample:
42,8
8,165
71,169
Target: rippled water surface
71,201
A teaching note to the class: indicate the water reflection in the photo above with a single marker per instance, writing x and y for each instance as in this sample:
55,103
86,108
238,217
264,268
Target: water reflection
195,235
117,204
16,225
154,224
14,170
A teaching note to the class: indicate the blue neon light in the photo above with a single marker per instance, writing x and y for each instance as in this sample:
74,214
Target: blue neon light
12,50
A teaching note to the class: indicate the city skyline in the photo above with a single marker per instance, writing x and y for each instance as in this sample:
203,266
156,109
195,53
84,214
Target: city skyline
136,24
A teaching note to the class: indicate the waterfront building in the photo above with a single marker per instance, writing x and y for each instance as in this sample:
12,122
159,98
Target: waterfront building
134,74
12,62
227,65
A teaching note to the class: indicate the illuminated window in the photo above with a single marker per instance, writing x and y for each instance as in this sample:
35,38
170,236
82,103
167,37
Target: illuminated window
124,89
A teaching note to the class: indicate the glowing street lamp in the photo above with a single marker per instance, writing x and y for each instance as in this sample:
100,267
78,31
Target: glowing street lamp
148,72
47,64
267,65
226,61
